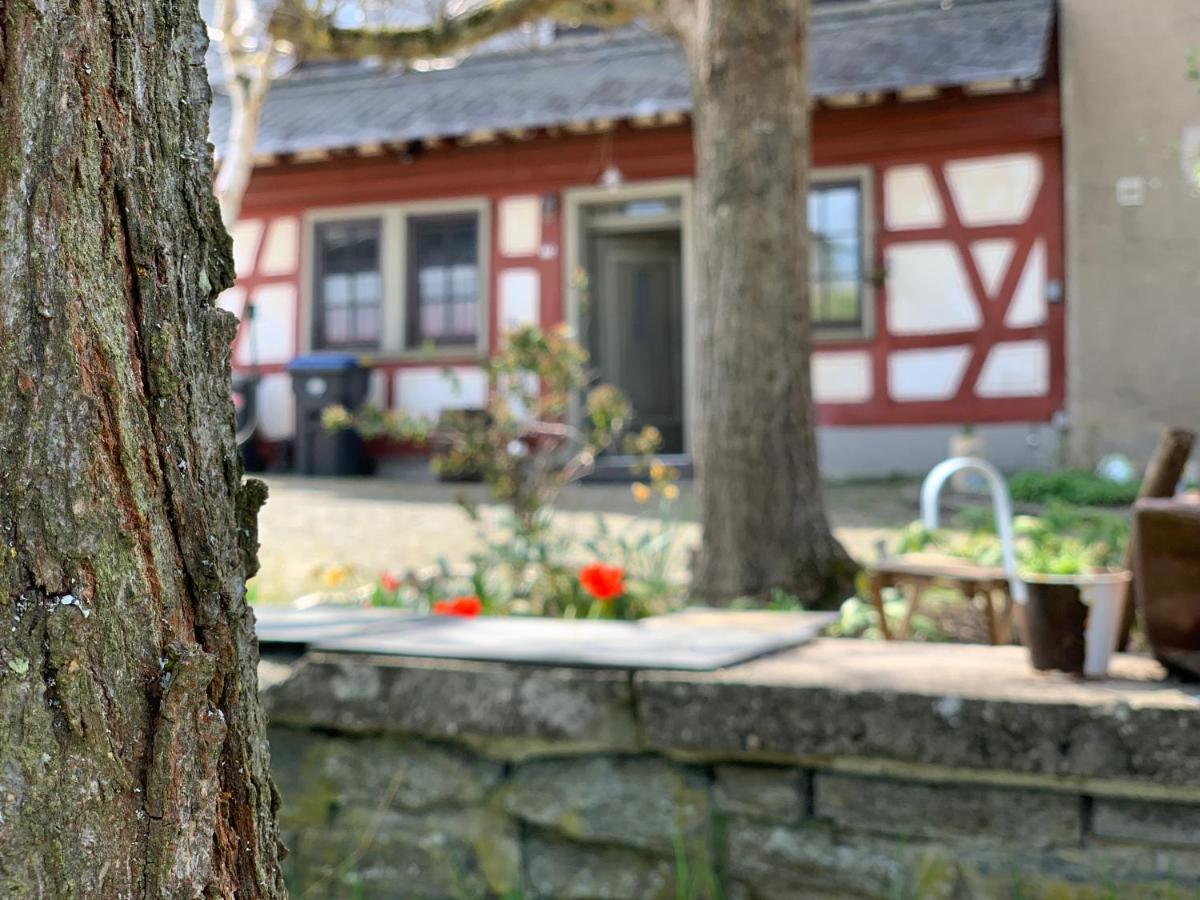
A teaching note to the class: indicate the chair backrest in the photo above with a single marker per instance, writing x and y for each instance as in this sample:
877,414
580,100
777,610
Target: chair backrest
1166,549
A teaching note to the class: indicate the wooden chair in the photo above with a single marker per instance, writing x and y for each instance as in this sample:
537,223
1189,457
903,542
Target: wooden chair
914,573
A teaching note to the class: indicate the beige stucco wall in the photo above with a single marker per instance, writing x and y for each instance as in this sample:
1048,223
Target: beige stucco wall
1133,292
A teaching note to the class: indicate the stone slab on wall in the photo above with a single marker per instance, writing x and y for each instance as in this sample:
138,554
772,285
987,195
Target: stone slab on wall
843,769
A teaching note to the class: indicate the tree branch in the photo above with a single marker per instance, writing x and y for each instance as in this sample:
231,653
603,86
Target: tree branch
316,36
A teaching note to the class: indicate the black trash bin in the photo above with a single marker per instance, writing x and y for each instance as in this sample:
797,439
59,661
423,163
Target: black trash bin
321,380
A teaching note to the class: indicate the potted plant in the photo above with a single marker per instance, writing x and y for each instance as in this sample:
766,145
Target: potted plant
1073,617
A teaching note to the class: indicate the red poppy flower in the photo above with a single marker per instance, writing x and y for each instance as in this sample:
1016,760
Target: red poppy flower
464,607
603,582
389,582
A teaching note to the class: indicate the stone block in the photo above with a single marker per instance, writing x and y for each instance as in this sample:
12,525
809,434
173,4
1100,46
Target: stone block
778,793
560,870
781,862
1147,821
948,811
945,706
515,710
407,773
415,856
640,802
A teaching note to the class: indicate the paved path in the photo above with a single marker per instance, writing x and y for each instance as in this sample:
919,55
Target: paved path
372,525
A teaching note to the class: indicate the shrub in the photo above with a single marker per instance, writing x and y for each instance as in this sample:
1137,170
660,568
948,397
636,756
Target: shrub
526,451
1076,486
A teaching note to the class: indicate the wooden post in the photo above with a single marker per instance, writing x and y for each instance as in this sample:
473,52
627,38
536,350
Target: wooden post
1161,479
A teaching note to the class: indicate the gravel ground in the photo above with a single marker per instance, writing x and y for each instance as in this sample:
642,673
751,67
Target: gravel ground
375,524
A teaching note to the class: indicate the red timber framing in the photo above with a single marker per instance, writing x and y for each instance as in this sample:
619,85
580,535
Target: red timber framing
928,133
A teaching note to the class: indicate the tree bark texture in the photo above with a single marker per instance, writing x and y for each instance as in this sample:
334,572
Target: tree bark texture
761,504
133,761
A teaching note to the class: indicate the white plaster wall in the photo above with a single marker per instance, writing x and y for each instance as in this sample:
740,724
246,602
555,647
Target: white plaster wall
276,407
842,377
996,190
425,392
1028,305
246,236
232,300
992,259
520,298
928,291
377,383
910,199
520,226
281,249
272,331
933,374
1015,369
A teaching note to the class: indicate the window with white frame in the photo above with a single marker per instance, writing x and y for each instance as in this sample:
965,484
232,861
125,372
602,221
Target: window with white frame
836,254
400,279
348,284
443,279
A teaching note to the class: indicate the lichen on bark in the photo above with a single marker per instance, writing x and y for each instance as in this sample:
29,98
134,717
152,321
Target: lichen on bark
133,761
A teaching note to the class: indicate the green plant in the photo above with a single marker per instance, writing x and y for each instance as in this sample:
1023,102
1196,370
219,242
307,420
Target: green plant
523,448
1064,540
1067,540
648,549
1078,486
857,618
465,458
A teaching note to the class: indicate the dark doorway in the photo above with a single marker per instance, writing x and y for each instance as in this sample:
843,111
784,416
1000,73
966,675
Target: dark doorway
635,324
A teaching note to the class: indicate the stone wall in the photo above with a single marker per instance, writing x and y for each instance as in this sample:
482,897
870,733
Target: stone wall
843,769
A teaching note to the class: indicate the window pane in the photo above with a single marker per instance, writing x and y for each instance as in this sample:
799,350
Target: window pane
433,285
816,300
444,286
835,253
464,318
367,324
367,288
465,282
841,301
337,326
337,290
842,260
840,213
349,283
433,320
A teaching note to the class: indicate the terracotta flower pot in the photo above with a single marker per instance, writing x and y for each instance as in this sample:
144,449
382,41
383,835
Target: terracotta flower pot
1072,622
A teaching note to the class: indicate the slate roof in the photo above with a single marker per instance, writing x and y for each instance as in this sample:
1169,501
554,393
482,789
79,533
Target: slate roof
856,46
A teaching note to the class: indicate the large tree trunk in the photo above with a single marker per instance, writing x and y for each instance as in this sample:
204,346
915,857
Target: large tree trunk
759,486
132,753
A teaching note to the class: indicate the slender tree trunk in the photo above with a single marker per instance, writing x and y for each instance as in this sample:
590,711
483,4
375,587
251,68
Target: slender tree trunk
759,486
132,753
247,96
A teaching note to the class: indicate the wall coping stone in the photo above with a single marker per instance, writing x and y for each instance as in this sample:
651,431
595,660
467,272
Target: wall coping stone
937,712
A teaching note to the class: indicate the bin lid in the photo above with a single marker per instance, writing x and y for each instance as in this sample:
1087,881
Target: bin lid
323,362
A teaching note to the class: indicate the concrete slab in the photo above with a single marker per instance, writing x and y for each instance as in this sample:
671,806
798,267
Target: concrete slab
688,642
284,625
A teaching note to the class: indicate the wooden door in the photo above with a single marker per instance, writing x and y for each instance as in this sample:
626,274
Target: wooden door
638,321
